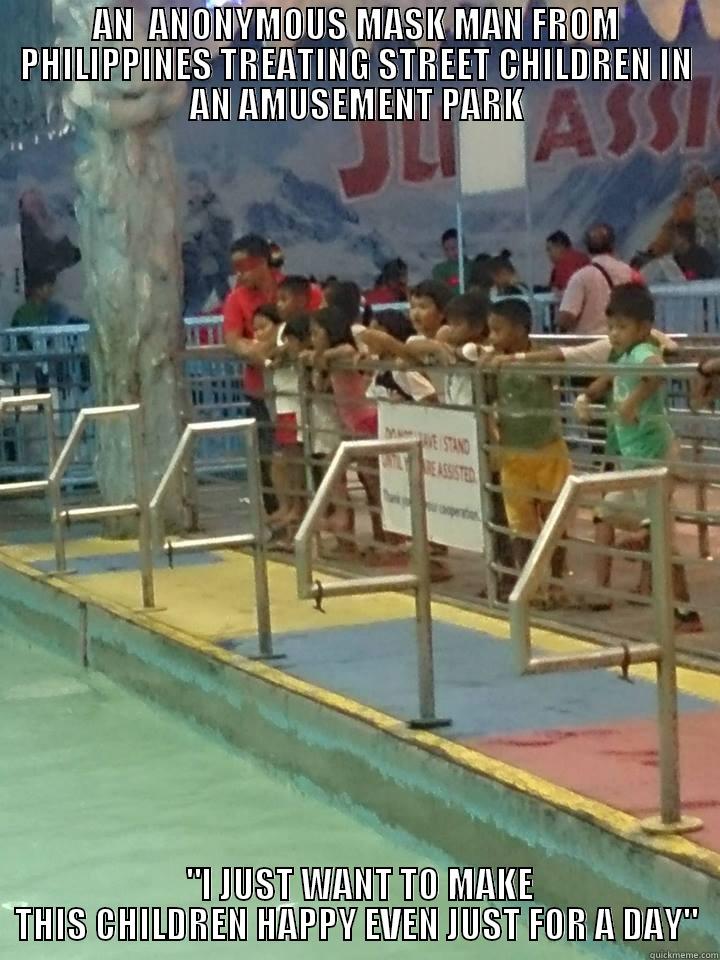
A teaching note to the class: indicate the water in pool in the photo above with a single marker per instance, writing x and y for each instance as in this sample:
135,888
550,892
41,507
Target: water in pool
107,800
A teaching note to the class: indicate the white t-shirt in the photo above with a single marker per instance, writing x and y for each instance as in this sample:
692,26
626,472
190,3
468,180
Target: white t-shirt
588,292
459,387
436,377
286,385
597,351
326,427
410,382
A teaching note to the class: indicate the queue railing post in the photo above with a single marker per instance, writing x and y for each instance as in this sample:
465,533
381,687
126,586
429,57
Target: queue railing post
248,429
657,482
137,509
418,581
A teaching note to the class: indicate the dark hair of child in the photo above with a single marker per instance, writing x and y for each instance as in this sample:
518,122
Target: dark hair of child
434,290
345,296
501,262
473,308
253,245
336,325
632,300
395,323
515,311
295,285
268,310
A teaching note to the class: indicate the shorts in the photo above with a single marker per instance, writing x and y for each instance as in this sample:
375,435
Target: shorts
367,425
625,509
530,482
286,430
628,509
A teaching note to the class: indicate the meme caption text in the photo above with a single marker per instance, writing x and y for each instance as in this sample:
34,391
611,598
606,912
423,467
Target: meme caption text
381,63
315,920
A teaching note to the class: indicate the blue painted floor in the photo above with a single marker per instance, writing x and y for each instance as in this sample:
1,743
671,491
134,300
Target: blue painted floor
477,684
125,562
43,533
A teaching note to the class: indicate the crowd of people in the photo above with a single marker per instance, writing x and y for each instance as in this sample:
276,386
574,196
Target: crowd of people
289,329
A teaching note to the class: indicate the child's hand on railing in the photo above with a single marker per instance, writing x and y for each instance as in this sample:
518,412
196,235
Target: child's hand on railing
496,360
583,408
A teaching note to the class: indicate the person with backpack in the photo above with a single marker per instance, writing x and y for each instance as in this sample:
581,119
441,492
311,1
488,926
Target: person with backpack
584,303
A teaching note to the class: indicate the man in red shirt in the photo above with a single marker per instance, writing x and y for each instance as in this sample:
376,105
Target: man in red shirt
391,286
256,285
564,258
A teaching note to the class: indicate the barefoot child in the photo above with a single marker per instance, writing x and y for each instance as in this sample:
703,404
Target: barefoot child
534,460
288,474
642,433
288,467
332,338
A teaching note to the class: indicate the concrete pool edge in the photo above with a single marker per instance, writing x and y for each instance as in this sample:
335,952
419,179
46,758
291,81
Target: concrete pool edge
303,728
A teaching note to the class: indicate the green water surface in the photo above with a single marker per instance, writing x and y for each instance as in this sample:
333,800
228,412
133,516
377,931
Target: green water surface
105,800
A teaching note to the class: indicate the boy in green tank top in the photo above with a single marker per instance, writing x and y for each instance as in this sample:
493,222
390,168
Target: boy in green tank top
641,432
534,460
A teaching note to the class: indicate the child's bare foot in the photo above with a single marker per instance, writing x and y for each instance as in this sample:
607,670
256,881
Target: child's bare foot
395,539
638,543
688,621
640,596
278,518
344,547
342,522
595,604
439,572
376,557
294,517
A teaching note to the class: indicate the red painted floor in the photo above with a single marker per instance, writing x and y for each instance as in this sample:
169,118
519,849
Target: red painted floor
616,764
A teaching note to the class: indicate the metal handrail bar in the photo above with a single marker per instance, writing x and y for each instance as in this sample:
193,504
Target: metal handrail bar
17,402
657,482
418,581
248,429
139,508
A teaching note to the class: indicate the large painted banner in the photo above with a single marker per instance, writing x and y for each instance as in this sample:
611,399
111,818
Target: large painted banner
452,479
343,198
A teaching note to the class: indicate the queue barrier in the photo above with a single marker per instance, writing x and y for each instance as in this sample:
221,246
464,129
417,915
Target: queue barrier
247,429
19,404
418,580
657,483
139,508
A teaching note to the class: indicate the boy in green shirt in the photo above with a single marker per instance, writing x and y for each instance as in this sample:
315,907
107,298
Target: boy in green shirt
448,272
534,460
641,432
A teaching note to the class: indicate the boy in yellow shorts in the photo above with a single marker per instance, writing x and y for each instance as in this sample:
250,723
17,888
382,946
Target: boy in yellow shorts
534,460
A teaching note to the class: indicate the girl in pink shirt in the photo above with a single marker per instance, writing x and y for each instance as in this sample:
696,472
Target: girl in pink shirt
332,339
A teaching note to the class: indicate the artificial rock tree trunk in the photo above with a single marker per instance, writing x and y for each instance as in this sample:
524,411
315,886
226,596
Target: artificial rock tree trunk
128,216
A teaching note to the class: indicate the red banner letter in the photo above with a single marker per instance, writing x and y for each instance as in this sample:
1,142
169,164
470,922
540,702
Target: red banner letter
662,111
414,168
698,111
623,122
566,127
372,172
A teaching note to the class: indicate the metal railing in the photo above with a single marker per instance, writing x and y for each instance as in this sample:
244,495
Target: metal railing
256,540
418,580
139,508
657,483
44,402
